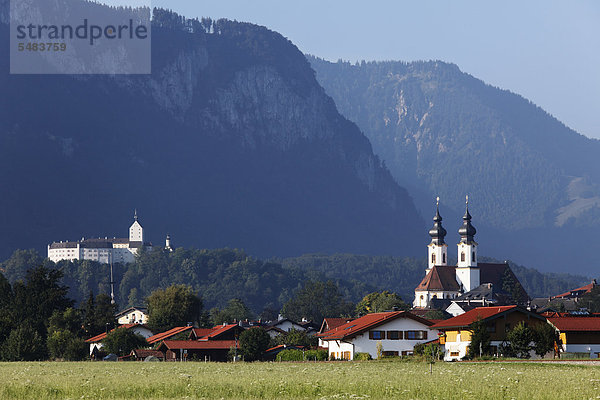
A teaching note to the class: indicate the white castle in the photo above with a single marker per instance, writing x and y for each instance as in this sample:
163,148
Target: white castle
117,250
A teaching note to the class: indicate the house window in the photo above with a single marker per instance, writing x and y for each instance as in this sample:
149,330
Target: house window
491,327
454,354
394,335
506,327
433,258
390,354
462,256
415,335
376,335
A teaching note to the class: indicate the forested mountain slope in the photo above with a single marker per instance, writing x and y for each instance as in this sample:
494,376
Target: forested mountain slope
230,142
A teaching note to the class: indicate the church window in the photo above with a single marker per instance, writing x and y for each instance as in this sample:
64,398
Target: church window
421,297
434,296
433,258
462,256
473,257
444,258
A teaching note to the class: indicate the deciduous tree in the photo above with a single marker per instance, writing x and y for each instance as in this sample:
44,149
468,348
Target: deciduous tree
315,301
174,306
253,343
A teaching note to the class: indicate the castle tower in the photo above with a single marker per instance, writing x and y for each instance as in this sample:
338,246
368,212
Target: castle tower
437,249
136,232
467,271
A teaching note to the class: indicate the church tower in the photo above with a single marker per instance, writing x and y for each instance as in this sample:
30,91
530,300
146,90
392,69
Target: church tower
437,249
136,232
467,271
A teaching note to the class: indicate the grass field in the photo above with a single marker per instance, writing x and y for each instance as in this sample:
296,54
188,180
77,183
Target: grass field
340,380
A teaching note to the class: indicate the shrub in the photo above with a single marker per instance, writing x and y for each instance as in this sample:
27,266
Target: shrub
24,344
362,357
62,344
299,355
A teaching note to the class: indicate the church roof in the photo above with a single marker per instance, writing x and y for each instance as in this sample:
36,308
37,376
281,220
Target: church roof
441,278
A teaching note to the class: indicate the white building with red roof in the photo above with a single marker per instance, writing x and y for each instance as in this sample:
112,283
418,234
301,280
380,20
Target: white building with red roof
578,333
96,344
397,331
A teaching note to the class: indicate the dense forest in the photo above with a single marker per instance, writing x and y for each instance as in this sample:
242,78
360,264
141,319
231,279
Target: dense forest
220,275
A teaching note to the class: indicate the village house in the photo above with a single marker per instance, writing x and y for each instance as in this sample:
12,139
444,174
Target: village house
579,334
286,325
95,342
133,315
211,344
396,331
499,321
179,331
329,324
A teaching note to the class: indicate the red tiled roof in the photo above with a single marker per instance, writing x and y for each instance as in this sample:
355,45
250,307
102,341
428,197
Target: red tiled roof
201,332
576,324
198,345
165,335
100,337
584,289
369,321
440,278
332,323
219,330
471,316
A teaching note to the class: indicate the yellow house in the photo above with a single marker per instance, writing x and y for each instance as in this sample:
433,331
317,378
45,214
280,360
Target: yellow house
456,337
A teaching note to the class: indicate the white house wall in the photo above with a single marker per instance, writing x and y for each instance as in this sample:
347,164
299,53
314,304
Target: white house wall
362,344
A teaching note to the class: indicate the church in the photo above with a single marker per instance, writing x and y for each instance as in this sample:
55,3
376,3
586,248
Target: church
468,283
106,251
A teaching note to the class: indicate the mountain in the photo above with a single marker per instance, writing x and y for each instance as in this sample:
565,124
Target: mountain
230,141
534,183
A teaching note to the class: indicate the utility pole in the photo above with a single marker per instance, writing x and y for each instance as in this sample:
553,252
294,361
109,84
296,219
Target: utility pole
112,282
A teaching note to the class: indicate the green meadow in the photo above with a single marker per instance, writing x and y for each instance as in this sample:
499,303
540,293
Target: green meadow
334,380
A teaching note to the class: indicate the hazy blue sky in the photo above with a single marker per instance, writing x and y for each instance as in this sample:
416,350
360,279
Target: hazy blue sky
547,51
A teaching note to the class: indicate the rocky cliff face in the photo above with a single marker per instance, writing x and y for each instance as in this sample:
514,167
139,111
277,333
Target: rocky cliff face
230,142
534,183
439,128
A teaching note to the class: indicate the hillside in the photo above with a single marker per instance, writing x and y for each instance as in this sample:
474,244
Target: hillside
443,132
222,274
230,142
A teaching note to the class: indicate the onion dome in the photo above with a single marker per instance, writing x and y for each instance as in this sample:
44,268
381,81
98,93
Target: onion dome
467,231
438,232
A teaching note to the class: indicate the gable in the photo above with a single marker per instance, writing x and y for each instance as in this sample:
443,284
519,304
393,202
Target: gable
439,278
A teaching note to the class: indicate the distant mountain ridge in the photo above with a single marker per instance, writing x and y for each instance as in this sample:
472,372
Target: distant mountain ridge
534,184
230,142
438,126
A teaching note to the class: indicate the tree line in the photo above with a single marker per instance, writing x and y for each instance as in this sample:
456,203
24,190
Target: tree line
264,286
